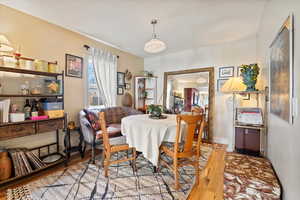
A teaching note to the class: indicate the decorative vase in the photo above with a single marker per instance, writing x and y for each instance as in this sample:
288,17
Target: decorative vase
249,74
5,166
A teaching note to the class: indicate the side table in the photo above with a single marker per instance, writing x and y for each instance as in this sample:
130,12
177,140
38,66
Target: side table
67,142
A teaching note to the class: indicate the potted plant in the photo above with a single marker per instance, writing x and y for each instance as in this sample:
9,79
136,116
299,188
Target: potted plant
249,74
154,110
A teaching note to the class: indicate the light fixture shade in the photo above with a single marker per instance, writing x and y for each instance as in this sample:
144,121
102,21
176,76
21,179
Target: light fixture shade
5,44
155,46
234,84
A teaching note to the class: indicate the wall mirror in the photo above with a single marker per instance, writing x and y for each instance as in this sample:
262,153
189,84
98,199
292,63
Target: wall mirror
188,90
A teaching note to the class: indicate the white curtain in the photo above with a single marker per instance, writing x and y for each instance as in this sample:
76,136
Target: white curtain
105,67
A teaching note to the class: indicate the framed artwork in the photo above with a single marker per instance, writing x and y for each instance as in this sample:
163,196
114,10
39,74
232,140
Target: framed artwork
127,86
281,72
74,66
226,72
120,90
120,79
220,84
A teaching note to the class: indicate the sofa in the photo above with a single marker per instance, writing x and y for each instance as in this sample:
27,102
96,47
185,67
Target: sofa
91,130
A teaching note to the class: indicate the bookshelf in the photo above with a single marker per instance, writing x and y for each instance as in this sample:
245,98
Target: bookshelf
32,127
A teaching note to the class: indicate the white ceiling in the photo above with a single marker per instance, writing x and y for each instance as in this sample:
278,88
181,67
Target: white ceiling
183,24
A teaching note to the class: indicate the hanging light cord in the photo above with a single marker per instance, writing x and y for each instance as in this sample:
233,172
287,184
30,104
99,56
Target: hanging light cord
153,22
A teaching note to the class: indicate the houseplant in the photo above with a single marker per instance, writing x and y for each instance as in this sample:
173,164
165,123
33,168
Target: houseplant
154,110
249,74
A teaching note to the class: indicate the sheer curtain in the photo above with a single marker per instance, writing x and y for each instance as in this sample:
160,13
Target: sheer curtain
105,67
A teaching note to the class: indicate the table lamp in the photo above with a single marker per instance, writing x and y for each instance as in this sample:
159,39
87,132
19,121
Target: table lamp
234,84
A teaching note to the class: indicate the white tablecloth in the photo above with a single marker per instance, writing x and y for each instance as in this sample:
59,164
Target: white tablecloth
146,134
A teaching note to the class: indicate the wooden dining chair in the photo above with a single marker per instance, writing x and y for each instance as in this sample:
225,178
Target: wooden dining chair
109,149
186,152
196,110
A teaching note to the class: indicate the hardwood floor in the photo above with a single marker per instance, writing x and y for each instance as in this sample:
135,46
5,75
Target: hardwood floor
211,182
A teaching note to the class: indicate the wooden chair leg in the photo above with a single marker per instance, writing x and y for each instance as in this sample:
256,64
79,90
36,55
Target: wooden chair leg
106,165
176,174
197,172
103,156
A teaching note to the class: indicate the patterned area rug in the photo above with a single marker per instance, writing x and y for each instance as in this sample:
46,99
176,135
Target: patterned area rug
87,181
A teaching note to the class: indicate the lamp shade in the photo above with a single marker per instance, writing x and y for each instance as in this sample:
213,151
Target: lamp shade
234,84
155,46
5,44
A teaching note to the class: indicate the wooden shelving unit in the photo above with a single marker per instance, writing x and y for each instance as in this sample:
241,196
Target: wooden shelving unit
144,85
30,127
25,71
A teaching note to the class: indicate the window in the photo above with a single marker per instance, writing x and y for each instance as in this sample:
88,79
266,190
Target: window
94,98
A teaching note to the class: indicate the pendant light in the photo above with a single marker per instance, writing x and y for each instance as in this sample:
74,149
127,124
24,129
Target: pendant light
154,45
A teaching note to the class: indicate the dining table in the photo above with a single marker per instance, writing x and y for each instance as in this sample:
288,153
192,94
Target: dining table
147,134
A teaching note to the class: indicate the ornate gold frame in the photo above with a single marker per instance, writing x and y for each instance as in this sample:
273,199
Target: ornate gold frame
211,92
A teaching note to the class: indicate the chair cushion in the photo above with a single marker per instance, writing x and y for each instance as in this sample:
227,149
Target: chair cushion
92,117
112,132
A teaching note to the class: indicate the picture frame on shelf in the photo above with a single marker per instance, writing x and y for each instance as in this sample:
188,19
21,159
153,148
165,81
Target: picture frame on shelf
74,66
226,72
120,79
127,86
220,83
120,90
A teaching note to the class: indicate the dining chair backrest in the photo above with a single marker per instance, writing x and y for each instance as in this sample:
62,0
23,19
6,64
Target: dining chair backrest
104,130
191,124
197,110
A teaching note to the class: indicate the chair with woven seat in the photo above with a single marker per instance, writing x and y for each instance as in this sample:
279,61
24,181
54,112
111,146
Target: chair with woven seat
186,152
109,148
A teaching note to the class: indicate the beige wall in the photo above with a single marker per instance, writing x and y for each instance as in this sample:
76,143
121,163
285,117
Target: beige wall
42,40
283,138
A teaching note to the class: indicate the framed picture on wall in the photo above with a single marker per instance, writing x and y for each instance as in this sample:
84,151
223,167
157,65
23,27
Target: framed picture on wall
281,72
120,90
120,79
74,66
226,72
220,84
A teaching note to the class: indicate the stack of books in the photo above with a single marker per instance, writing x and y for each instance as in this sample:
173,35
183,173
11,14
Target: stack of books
25,161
